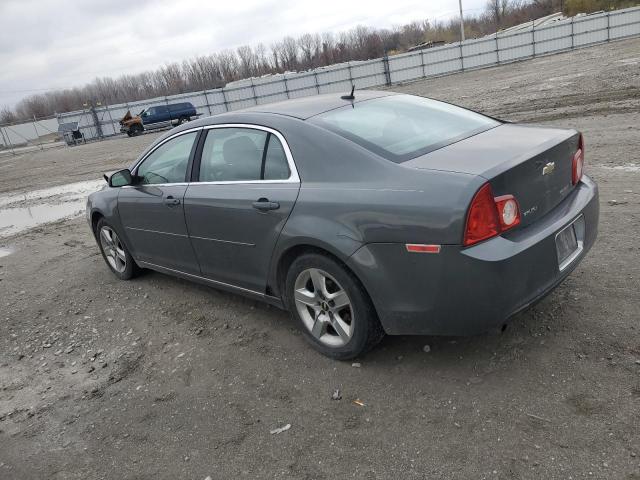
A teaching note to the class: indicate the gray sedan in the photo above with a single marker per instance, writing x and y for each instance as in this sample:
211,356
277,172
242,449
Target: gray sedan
379,213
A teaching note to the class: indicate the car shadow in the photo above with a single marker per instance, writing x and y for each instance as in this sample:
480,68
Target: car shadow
520,333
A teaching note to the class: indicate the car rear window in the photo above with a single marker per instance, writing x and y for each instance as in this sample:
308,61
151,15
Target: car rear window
401,127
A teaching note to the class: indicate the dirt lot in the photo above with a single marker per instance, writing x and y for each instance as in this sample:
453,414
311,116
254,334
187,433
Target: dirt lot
160,378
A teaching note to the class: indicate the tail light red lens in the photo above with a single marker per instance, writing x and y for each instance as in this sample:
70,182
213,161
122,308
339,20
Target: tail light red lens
578,162
489,216
482,219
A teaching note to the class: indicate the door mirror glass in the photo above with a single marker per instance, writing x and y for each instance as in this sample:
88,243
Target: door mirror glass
121,178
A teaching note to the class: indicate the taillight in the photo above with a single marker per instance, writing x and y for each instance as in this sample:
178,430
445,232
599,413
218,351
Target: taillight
489,216
508,211
578,162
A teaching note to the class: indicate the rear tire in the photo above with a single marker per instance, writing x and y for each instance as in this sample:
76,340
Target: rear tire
335,312
136,129
183,120
115,253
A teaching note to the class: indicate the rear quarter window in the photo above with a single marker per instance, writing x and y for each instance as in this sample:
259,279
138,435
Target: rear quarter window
401,127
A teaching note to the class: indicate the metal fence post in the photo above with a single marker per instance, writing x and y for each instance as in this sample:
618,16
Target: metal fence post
253,89
461,57
387,72
113,125
497,50
533,36
351,73
315,76
572,34
9,141
206,101
6,142
286,85
424,67
608,27
224,99
37,139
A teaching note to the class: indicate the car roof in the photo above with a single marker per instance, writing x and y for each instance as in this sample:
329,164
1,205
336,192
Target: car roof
307,107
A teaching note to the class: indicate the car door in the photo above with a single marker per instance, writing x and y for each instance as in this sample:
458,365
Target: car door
243,188
163,116
152,212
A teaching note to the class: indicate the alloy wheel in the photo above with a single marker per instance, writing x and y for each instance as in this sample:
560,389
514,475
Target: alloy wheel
324,307
113,249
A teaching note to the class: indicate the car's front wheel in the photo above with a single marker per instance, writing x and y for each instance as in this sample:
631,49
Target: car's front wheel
115,252
335,312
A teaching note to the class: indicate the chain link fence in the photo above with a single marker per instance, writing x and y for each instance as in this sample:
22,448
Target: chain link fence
39,133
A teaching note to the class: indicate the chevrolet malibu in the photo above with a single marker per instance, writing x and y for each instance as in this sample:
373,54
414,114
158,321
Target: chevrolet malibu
361,215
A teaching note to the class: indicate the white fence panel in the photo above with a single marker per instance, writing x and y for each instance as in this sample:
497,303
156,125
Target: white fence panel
624,24
553,39
479,53
442,60
334,79
515,46
217,101
270,89
406,66
301,84
590,30
28,132
366,74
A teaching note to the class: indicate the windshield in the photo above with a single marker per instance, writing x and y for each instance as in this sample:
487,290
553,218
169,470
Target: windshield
401,127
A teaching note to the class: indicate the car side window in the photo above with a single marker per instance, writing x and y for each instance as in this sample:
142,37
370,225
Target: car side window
276,166
237,154
232,154
167,163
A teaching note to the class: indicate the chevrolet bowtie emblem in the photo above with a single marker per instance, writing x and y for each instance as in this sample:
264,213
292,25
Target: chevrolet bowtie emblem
548,168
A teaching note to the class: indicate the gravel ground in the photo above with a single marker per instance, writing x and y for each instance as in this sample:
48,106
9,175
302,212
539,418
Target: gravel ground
160,378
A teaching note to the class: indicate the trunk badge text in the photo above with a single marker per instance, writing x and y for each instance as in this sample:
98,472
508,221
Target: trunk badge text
548,168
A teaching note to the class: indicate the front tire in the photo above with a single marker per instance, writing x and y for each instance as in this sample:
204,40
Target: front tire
333,308
114,251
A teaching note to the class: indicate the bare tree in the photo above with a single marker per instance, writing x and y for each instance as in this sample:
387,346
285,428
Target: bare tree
7,115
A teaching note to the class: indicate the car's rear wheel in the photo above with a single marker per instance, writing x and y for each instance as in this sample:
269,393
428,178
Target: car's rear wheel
335,312
136,129
115,252
183,120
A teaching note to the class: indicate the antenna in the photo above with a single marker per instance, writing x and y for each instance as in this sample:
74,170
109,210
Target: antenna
351,96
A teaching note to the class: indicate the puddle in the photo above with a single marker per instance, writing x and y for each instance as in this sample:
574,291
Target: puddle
6,251
22,211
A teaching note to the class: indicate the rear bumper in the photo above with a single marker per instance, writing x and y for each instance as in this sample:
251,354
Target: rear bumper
466,291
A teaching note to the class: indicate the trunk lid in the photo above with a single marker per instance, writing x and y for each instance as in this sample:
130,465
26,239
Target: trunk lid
531,163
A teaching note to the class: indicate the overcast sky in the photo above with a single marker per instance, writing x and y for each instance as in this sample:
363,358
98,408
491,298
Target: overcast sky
47,44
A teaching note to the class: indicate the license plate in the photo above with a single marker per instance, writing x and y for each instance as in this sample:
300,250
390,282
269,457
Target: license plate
566,244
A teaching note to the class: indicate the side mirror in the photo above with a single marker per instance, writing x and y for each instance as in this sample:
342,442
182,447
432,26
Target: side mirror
121,178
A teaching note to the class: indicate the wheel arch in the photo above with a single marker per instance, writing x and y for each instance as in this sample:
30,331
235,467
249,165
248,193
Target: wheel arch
288,255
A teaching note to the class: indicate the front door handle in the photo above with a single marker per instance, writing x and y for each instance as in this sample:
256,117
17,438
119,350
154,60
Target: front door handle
171,201
263,204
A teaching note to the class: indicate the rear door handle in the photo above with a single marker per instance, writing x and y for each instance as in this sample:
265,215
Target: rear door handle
263,204
170,201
